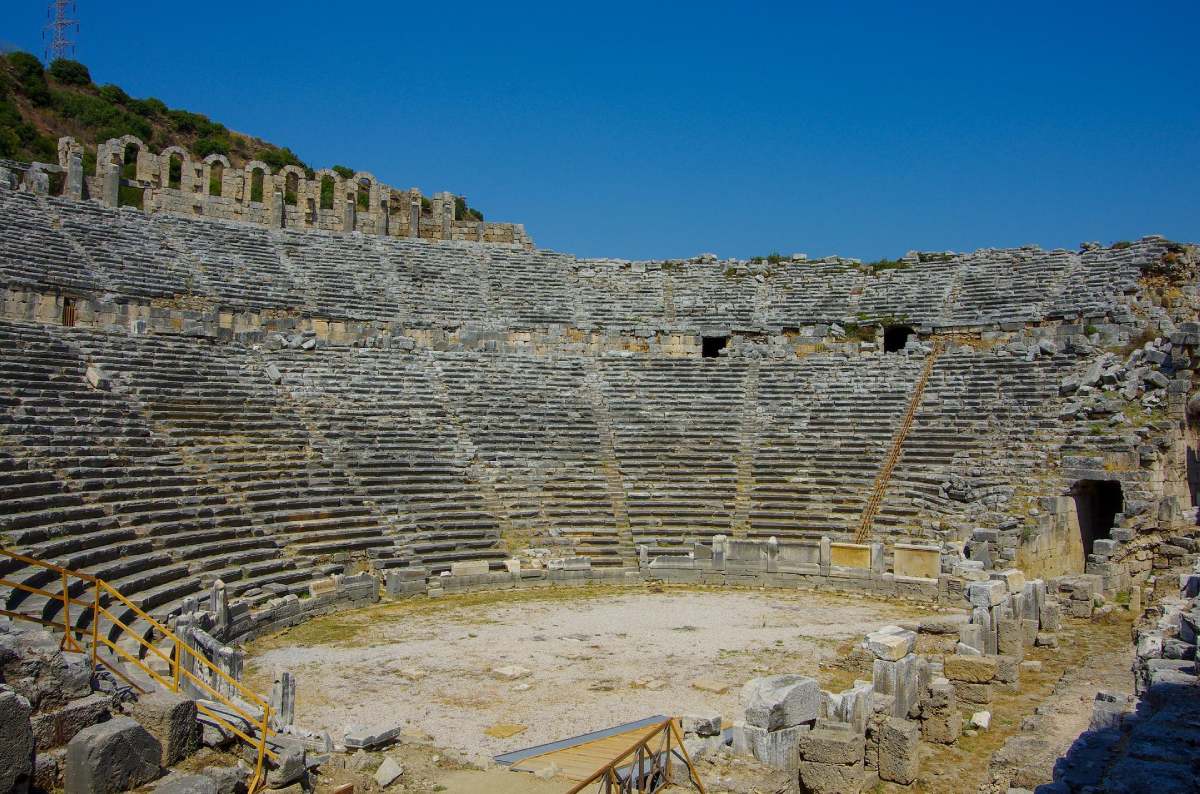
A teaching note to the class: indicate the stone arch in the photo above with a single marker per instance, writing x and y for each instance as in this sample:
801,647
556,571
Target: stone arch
366,190
175,161
255,189
114,150
293,179
328,188
215,166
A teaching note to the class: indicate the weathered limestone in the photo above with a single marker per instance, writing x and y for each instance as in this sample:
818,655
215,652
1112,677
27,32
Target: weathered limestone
941,721
171,720
16,742
830,760
898,757
781,701
112,756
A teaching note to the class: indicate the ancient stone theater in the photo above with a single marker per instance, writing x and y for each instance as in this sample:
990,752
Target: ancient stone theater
310,482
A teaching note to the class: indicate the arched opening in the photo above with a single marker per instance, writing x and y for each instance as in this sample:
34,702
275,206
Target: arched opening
895,337
291,189
363,197
327,191
1097,503
216,177
175,172
711,346
256,185
129,195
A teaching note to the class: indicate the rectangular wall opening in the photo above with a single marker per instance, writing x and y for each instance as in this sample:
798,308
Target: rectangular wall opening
711,346
1097,503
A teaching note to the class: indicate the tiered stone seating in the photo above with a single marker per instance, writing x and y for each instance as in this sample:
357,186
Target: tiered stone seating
982,412
704,295
126,250
677,428
531,287
34,251
382,418
617,294
348,277
449,284
917,294
530,424
239,265
90,484
802,293
228,422
824,427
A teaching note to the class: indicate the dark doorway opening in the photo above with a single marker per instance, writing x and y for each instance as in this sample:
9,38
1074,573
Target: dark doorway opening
895,337
711,346
1097,503
68,312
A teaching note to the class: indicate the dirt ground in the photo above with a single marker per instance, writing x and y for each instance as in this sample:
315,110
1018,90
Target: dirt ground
596,657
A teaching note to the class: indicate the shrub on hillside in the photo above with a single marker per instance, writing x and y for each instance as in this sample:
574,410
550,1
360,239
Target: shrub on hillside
31,77
114,94
278,157
210,145
343,171
70,72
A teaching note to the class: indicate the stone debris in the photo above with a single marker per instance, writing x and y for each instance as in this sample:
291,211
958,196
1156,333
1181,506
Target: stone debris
781,701
388,772
112,756
510,672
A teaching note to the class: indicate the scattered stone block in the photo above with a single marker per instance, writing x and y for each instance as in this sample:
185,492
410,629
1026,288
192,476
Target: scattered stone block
976,694
112,756
1046,640
171,720
941,722
702,724
16,742
776,749
900,680
1010,638
890,643
359,737
781,701
981,720
1051,617
970,669
1013,578
388,772
1008,672
830,760
986,594
899,740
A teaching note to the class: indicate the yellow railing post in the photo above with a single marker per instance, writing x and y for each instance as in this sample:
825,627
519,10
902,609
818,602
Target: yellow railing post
175,666
66,599
95,625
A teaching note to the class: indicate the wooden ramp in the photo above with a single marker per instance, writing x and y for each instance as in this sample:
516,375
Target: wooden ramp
579,757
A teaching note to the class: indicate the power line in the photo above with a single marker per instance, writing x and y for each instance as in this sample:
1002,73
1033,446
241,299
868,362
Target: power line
58,29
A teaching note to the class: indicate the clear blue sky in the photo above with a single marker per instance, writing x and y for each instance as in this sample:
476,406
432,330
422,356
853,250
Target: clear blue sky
655,130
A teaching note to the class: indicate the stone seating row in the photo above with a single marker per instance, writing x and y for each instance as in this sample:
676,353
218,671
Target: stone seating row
52,242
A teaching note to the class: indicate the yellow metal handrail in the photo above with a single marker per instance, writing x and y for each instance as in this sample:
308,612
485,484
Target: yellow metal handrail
897,445
102,591
609,778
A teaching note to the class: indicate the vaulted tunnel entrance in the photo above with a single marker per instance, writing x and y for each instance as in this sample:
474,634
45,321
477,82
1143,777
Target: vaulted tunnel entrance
711,346
1097,503
895,337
